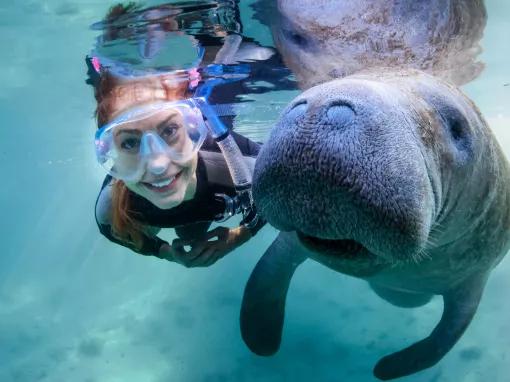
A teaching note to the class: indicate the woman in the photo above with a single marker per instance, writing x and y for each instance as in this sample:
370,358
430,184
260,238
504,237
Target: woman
165,171
130,212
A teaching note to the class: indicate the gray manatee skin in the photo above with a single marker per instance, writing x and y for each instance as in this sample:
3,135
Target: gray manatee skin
324,40
392,177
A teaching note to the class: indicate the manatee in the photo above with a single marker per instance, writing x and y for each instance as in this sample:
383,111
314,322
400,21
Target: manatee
395,178
324,40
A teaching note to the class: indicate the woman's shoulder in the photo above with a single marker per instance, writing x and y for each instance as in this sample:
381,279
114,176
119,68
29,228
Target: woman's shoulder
103,208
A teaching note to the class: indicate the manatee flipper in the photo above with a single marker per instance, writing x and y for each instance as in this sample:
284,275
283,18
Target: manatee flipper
263,307
460,305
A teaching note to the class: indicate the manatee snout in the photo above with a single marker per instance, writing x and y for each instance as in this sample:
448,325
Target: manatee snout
344,163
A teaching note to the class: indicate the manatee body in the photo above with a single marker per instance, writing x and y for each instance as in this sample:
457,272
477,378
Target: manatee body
324,40
395,178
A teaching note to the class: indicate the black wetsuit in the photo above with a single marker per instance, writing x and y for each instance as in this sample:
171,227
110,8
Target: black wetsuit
191,218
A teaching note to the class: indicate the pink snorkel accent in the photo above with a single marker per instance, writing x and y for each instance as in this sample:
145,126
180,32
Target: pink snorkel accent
194,78
96,64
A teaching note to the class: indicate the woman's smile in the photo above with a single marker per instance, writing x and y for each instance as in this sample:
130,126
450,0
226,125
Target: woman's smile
163,185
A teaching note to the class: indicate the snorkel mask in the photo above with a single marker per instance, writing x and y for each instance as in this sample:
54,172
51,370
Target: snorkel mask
170,131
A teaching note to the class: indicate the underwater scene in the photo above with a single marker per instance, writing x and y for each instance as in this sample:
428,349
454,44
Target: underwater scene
255,190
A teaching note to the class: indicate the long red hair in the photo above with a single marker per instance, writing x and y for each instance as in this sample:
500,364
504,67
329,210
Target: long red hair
125,227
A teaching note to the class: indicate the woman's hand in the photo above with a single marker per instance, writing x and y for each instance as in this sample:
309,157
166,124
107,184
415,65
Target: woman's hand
204,251
174,253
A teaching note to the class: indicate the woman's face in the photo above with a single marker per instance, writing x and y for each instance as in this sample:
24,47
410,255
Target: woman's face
165,182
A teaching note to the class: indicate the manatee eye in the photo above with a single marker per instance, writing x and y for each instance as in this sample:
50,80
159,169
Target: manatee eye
455,122
295,38
457,127
456,130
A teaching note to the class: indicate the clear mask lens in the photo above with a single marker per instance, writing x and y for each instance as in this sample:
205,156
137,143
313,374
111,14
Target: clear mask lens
172,130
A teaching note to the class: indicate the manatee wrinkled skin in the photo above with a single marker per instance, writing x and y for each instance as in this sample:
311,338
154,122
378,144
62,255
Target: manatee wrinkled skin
325,40
395,178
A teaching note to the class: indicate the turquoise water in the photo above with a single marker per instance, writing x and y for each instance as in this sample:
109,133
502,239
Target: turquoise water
75,307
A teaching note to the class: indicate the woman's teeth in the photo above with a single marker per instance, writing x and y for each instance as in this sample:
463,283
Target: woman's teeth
163,183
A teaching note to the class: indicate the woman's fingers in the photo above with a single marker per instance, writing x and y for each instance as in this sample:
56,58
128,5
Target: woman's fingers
197,248
208,257
204,252
181,242
218,232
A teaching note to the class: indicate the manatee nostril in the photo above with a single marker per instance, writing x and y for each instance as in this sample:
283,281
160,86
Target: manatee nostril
299,104
298,109
341,113
296,38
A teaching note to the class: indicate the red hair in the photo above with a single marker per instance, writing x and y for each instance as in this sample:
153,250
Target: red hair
124,225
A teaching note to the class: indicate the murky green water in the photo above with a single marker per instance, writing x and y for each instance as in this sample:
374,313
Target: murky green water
75,307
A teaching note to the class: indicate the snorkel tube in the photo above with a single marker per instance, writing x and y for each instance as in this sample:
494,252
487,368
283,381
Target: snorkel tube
239,171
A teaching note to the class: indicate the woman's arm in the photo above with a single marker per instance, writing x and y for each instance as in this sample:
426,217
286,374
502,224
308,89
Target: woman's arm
103,214
194,235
